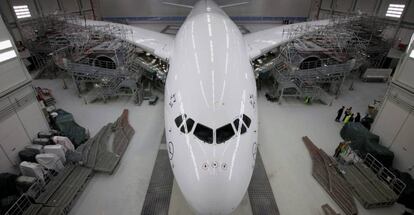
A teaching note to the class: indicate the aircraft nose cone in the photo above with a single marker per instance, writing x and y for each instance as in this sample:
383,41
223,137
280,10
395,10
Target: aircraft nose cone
215,195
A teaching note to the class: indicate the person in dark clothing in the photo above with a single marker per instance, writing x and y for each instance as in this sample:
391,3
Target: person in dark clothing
340,111
347,113
358,117
367,121
352,118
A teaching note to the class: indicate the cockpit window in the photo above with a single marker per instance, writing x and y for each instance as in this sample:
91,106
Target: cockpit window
236,125
246,120
178,120
224,133
190,123
204,133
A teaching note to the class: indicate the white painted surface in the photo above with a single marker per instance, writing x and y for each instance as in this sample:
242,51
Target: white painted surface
259,43
156,43
12,71
124,192
403,146
389,122
210,79
405,74
12,139
19,127
286,159
31,116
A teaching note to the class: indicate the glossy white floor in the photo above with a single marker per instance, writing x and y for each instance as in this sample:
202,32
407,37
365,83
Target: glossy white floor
281,128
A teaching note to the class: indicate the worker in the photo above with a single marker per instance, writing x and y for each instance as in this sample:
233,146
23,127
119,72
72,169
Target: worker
307,100
340,111
351,119
338,149
358,117
348,118
347,113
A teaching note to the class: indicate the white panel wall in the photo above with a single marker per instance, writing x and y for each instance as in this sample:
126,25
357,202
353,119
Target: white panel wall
395,126
403,146
405,73
20,114
12,72
389,122
31,115
19,124
12,139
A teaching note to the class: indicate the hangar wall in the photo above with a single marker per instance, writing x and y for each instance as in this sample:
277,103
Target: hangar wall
20,113
373,7
272,8
395,120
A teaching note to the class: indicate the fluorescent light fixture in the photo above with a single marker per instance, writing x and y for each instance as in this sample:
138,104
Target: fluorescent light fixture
395,10
393,15
7,55
23,16
412,54
5,44
20,7
397,5
22,11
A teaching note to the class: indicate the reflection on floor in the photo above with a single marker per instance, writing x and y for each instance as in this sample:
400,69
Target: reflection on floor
281,127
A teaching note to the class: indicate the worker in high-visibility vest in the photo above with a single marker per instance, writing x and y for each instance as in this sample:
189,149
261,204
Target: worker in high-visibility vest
348,118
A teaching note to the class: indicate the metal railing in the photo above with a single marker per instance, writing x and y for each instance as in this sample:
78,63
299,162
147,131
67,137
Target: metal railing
384,174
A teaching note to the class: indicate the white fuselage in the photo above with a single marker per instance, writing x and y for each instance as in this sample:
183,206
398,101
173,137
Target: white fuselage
211,83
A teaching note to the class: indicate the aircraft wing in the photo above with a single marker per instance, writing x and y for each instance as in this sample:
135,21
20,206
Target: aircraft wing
158,44
259,43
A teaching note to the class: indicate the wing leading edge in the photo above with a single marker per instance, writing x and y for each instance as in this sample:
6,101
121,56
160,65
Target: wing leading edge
259,43
158,44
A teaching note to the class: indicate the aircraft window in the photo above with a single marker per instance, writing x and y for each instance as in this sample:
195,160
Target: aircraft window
190,123
204,133
246,120
224,133
182,129
243,129
178,120
236,125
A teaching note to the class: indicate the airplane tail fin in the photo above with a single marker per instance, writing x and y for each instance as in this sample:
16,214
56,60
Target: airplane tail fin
234,4
178,5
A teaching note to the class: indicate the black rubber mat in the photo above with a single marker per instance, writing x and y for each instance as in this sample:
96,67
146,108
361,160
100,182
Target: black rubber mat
260,192
157,199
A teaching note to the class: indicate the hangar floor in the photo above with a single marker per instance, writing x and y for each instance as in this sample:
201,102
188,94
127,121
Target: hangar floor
286,159
281,127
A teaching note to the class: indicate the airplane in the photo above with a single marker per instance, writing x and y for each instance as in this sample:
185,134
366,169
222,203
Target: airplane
211,121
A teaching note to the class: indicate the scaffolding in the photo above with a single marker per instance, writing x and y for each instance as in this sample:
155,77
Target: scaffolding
99,58
315,62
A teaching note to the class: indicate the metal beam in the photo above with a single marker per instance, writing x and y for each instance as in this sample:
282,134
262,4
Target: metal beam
354,4
377,7
407,5
60,5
